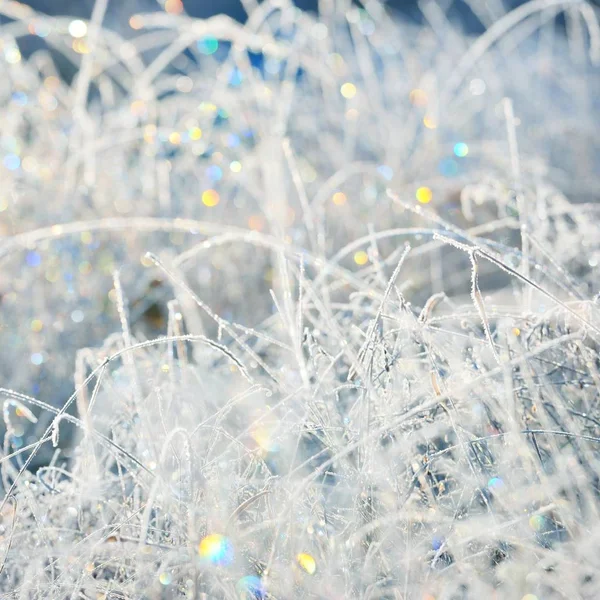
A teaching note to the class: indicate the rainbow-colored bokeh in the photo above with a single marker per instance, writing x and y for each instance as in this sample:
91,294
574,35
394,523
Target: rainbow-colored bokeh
216,549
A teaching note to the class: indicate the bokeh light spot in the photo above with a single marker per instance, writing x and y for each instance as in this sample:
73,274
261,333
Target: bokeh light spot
418,97
424,195
210,198
461,149
307,563
348,90
339,198
250,588
77,28
174,7
208,45
361,258
216,549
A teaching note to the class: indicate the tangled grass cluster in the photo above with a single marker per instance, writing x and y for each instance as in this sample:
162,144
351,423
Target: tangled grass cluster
332,322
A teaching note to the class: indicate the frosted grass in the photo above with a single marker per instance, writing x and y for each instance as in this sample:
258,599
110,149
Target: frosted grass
300,308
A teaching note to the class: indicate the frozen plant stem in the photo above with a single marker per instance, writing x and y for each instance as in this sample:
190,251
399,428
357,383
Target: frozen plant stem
515,161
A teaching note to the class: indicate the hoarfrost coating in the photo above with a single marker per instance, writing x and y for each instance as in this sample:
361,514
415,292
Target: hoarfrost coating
305,307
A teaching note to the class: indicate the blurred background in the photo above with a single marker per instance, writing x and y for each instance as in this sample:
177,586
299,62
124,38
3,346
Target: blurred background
117,17
457,9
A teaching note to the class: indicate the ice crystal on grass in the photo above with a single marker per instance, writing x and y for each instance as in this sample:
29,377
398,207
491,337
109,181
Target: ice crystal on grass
297,308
